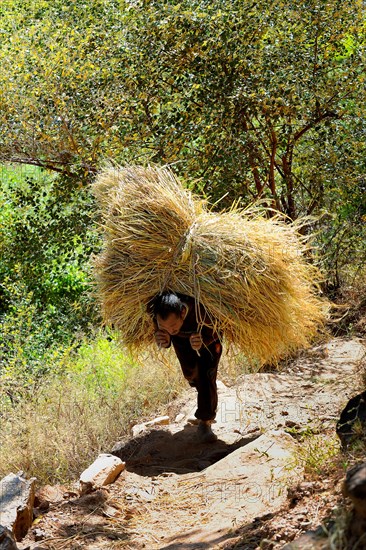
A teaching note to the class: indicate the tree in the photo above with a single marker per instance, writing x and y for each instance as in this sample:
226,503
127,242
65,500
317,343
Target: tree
235,93
59,99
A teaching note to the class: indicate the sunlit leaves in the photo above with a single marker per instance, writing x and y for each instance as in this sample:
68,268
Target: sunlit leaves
229,92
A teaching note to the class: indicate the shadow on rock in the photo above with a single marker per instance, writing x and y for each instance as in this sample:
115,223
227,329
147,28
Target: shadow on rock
159,451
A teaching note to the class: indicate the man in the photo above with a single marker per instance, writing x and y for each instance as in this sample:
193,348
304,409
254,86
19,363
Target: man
198,348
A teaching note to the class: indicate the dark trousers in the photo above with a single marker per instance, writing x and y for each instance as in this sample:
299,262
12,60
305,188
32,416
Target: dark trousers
200,371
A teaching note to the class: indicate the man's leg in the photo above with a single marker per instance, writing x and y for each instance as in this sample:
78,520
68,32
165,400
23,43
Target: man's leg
207,390
187,358
201,371
206,381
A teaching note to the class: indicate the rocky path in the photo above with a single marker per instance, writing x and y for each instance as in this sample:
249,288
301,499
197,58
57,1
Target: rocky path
179,494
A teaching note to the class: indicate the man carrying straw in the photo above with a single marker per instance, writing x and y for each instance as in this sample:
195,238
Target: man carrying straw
238,276
198,350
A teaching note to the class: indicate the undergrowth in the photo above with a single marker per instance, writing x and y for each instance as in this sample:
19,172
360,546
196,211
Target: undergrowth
316,454
93,401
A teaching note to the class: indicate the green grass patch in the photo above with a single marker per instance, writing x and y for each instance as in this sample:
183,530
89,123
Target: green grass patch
317,454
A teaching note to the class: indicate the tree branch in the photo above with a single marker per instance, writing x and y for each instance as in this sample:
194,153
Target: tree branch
314,122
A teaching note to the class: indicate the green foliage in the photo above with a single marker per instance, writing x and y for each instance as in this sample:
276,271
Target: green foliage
46,239
337,171
46,233
102,363
58,98
317,454
234,93
28,351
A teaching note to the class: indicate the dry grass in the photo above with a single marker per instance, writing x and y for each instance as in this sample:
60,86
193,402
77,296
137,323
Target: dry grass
248,272
74,417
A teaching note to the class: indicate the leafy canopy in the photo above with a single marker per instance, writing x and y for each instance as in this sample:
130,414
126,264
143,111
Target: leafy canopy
234,93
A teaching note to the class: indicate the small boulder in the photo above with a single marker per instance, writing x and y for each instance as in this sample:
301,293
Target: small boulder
16,504
104,470
51,494
311,540
354,487
159,421
7,541
352,422
138,429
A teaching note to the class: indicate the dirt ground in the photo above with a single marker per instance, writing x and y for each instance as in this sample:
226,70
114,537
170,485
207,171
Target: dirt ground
265,481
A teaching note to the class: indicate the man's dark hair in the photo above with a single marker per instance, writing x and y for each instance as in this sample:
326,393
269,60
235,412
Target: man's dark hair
167,303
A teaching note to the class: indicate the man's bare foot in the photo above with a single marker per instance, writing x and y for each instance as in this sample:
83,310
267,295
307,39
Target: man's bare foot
205,432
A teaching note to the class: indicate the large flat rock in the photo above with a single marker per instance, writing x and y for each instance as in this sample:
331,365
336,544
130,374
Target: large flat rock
313,389
250,482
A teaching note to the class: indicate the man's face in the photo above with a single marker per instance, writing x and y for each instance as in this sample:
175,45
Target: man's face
172,324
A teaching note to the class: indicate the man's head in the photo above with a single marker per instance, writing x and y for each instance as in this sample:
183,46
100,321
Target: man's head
169,312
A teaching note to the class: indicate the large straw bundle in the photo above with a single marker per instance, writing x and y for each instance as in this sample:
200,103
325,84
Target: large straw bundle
247,271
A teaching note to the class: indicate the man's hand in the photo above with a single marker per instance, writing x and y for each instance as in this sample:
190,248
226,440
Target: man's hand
162,338
196,341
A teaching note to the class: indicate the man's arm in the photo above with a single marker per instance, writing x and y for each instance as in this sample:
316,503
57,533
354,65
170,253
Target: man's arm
162,338
209,335
206,334
203,338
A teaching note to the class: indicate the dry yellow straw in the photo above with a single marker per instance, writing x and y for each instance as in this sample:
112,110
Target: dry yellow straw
248,271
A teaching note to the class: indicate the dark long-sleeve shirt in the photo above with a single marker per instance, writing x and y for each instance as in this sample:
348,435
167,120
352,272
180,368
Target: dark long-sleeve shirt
194,322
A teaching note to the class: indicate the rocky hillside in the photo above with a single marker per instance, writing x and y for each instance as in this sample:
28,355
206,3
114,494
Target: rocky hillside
268,479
